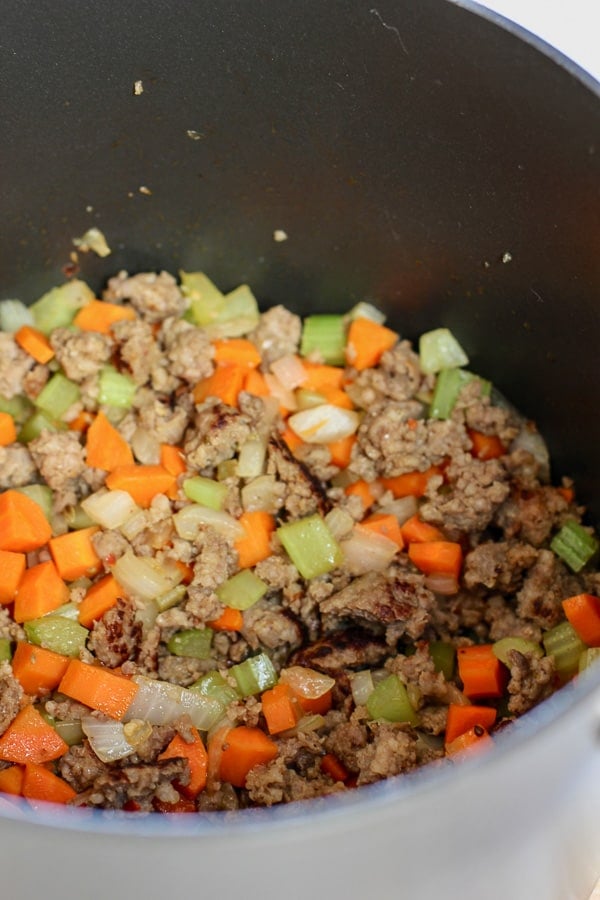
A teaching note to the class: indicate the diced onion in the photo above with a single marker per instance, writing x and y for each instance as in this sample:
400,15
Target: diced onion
290,371
135,524
111,509
160,703
306,682
145,577
107,738
192,517
364,310
146,447
324,424
251,460
361,685
93,239
340,522
403,508
442,583
276,389
14,314
308,723
366,551
530,439
262,493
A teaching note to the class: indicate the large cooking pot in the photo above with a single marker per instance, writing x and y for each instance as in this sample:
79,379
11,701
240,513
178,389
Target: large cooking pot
414,153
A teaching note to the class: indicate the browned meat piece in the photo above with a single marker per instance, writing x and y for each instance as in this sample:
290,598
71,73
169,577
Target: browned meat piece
391,751
115,787
80,353
530,680
347,738
478,413
419,670
381,599
182,670
317,458
469,501
35,380
216,559
11,694
60,459
268,625
350,649
503,621
304,493
397,377
277,334
137,348
533,516
294,775
547,584
154,296
8,627
157,741
116,637
14,365
16,466
498,565
110,545
80,766
217,433
188,350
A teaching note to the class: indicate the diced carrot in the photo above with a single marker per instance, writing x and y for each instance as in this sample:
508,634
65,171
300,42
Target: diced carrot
183,805
40,591
337,397
39,783
237,352
412,484
367,342
255,384
361,489
98,688
38,670
583,612
82,421
385,524
280,708
12,568
100,597
292,440
98,315
23,525
105,447
229,620
224,384
481,672
486,446
463,718
566,492
321,377
74,554
341,451
475,738
8,432
11,780
142,483
29,738
256,544
35,343
444,557
332,766
317,706
197,759
244,747
415,531
172,459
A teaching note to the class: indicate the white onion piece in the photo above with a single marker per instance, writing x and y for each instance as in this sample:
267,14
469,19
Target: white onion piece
307,682
403,508
144,576
262,493
14,314
365,310
111,509
366,551
251,460
312,722
340,522
160,702
276,389
441,583
361,685
530,439
290,371
146,447
107,738
192,517
324,424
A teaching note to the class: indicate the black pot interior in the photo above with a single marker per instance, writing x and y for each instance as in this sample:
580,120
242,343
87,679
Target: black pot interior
414,153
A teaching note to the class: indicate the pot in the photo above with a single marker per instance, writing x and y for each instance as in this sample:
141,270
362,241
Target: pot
416,154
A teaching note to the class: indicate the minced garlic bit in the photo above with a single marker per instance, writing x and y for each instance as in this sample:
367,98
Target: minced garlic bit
507,257
138,88
145,190
279,235
194,135
94,240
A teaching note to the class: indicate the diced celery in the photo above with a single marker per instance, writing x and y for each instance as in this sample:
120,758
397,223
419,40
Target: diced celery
5,649
254,675
205,491
76,517
439,349
193,642
35,424
58,307
14,314
502,648
57,396
564,644
242,590
325,336
311,546
18,407
70,731
589,657
443,655
215,686
41,494
239,315
115,389
575,545
171,598
448,386
389,701
206,300
227,468
57,633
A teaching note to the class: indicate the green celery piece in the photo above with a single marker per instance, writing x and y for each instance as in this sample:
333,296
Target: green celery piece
439,349
57,633
57,396
389,701
35,424
59,306
448,386
564,644
115,389
14,314
242,590
254,675
589,657
311,546
207,302
215,686
324,335
575,545
5,650
76,517
171,598
205,491
70,731
239,315
192,642
502,648
18,407
443,655
41,494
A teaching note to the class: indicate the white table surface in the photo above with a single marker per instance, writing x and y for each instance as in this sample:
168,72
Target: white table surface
572,26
